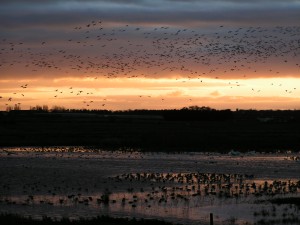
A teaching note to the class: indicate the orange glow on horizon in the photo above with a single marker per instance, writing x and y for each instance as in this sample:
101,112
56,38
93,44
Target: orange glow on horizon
146,93
119,65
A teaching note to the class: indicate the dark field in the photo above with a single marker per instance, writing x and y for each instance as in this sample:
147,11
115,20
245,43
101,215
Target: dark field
154,130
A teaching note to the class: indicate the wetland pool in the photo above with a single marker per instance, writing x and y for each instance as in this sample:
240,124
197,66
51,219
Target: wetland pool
182,188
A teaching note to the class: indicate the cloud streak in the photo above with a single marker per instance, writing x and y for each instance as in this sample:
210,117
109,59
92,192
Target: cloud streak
18,14
175,44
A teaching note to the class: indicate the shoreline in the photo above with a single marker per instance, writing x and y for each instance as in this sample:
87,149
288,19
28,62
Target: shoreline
15,219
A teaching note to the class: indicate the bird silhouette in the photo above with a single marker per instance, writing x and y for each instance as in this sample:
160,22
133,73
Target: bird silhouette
96,51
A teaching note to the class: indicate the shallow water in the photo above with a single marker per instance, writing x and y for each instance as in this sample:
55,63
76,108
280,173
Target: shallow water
182,188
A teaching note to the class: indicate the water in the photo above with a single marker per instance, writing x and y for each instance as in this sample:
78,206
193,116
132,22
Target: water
183,188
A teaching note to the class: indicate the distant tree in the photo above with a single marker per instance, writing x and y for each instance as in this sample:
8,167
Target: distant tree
45,108
197,108
17,107
9,108
57,108
39,108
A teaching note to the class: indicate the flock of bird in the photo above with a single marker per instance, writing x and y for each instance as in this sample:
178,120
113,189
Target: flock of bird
95,50
75,185
222,185
159,188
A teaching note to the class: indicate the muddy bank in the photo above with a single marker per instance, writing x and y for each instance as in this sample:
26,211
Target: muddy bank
12,219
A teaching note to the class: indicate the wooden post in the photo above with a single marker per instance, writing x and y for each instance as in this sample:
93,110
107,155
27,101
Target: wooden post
211,219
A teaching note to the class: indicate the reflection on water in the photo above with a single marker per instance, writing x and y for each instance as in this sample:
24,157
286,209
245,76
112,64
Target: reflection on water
79,182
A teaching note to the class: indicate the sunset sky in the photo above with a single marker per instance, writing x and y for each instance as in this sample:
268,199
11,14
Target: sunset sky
150,54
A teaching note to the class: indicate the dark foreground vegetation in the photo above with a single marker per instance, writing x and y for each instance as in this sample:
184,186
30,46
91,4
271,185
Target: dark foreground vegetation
8,219
188,129
289,200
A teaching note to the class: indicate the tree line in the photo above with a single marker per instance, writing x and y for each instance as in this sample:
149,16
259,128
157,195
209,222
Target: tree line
190,113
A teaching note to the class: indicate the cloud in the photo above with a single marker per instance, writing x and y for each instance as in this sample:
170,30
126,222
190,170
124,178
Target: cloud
215,94
240,55
17,14
175,94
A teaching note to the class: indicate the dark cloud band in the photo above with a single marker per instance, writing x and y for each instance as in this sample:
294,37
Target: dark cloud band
14,14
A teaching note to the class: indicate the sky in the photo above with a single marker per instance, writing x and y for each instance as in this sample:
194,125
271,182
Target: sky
150,54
